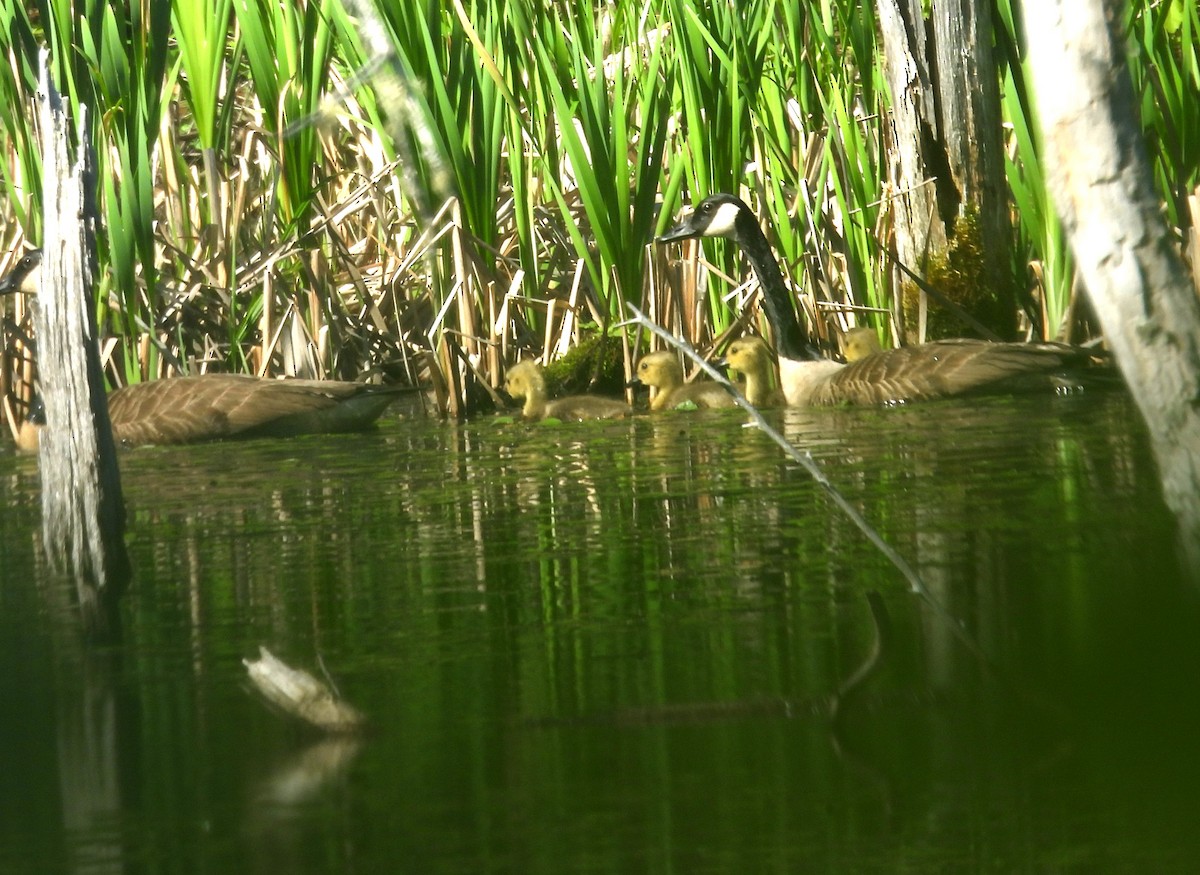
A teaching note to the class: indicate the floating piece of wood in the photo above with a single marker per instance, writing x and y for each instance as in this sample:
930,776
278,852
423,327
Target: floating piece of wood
301,695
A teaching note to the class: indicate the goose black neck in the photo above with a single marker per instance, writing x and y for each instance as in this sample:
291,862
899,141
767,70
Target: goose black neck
791,338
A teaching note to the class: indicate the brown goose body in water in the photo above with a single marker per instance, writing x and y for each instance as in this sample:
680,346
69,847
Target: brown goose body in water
663,371
189,410
933,370
527,380
180,410
939,369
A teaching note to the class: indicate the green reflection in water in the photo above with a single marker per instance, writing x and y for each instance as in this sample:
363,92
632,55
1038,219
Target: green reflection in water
610,647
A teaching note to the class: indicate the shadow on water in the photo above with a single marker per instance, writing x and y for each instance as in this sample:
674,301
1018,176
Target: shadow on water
612,647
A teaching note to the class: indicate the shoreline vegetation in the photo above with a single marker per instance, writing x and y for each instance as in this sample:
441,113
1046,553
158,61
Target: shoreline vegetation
264,213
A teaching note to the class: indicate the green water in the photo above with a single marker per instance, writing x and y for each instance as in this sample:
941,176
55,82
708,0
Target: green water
612,648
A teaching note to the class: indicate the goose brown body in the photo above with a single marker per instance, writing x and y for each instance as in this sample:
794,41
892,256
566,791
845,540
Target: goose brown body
526,380
182,410
940,369
663,371
932,370
189,410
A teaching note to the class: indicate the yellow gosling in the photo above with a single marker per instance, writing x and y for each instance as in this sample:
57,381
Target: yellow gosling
526,380
858,343
662,371
752,358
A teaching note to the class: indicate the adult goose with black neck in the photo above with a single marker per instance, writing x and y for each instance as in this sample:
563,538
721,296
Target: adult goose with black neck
939,369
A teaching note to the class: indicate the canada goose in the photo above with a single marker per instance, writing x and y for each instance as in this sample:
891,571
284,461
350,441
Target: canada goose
858,343
663,371
526,380
189,410
22,277
933,370
180,410
751,357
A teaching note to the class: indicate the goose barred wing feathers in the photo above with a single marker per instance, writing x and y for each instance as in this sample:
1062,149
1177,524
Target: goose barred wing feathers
947,368
214,406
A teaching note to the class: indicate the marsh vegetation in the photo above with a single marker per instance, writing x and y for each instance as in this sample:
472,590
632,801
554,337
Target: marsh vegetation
256,217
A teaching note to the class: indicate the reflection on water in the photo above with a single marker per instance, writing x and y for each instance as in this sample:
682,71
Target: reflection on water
614,646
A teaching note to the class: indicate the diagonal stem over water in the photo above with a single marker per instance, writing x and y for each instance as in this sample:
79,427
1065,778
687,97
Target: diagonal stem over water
806,461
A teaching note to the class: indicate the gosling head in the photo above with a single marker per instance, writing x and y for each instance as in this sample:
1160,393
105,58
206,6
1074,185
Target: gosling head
659,369
859,343
719,215
748,355
24,275
524,378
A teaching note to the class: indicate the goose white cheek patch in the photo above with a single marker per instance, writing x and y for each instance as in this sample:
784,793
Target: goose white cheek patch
724,221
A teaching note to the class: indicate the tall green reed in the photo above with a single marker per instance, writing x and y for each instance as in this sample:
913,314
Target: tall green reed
242,211
1164,43
611,122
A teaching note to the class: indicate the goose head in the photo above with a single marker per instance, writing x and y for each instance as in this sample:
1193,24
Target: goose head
727,216
719,215
23,277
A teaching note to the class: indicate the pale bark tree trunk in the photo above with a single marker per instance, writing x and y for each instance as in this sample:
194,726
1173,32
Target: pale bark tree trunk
946,153
83,512
1101,182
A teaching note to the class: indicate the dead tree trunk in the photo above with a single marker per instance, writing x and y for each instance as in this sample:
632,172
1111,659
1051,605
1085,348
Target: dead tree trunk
947,165
83,513
1100,178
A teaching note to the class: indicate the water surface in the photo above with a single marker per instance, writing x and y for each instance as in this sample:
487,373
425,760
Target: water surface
616,647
